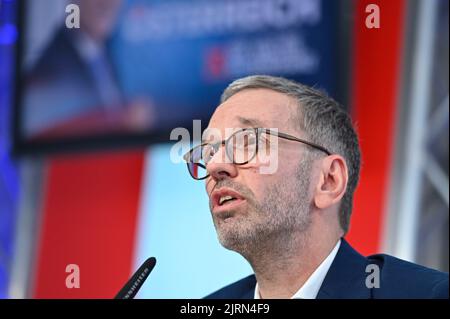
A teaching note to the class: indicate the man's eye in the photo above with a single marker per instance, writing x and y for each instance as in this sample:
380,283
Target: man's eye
264,143
247,140
208,153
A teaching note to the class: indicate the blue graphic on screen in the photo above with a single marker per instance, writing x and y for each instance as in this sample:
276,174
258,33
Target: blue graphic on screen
182,54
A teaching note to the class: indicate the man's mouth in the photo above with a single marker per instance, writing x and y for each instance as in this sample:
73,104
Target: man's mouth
225,199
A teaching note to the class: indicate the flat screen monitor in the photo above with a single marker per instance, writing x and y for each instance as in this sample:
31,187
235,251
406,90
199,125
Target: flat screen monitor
112,73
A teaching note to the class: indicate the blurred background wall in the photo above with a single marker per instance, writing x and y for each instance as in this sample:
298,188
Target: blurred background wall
80,186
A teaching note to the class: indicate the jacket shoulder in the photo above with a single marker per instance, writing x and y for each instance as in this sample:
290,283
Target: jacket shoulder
241,289
403,279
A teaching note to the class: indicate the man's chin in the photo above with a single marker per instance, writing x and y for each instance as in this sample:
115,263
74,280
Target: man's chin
231,237
224,220
232,243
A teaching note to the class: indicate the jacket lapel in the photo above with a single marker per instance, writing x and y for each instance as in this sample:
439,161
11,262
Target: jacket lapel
346,278
249,292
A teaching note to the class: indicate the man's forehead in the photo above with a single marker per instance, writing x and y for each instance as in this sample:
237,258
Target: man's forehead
254,108
243,121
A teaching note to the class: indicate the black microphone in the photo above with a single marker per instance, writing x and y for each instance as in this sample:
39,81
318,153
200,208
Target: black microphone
135,283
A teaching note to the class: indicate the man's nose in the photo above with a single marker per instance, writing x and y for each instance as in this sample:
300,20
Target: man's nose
221,166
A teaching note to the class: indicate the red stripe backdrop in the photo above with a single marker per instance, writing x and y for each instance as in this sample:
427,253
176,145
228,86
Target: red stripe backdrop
90,212
376,77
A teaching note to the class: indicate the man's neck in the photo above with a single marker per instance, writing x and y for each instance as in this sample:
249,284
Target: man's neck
282,269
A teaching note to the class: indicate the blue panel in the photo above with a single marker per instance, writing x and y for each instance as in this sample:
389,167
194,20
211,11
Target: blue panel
8,172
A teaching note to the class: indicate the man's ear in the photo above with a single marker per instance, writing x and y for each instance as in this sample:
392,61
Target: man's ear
332,181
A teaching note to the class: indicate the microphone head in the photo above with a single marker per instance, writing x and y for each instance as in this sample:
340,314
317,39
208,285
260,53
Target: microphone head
137,280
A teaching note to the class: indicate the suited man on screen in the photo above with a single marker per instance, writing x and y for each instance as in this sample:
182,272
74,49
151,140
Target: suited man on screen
289,224
74,87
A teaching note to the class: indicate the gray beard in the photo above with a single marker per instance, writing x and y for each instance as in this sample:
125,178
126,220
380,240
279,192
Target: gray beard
273,226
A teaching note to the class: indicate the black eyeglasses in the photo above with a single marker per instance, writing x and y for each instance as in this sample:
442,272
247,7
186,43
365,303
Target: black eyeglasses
240,148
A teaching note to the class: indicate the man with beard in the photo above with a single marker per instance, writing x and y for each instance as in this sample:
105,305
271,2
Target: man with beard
290,223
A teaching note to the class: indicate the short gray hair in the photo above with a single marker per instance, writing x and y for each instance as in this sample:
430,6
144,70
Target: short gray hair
324,121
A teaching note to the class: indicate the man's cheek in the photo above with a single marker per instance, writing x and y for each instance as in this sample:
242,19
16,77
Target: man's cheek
268,156
209,185
269,167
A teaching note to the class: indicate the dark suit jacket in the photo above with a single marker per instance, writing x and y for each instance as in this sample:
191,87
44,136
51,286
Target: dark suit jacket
347,275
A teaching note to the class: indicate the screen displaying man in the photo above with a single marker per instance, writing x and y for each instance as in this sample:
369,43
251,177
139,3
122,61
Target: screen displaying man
116,70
